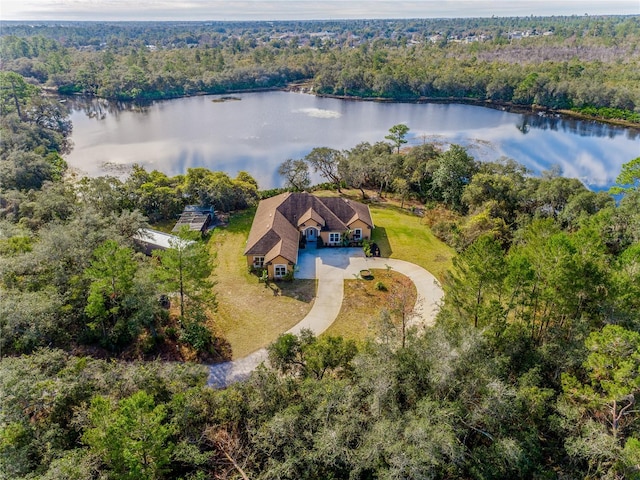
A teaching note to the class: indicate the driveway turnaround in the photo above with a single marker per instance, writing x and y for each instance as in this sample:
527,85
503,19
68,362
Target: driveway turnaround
332,266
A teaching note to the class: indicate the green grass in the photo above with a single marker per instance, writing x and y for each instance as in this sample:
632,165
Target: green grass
165,226
400,234
249,315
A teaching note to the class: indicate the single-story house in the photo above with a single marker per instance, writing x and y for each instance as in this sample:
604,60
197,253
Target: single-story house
281,222
196,218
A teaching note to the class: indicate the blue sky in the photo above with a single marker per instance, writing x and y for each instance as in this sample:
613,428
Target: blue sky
301,9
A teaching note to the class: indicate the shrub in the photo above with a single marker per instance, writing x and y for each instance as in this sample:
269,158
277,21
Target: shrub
262,194
171,333
366,247
288,277
447,231
381,287
197,336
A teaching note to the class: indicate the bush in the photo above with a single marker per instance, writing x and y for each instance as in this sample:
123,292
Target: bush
366,247
381,287
447,231
289,276
198,336
262,194
171,333
326,186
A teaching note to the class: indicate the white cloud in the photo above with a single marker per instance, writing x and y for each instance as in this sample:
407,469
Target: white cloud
300,9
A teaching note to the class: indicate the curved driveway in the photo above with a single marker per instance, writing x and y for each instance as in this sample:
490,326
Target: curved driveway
331,266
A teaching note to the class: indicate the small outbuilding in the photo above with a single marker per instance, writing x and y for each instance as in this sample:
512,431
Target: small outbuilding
197,218
150,240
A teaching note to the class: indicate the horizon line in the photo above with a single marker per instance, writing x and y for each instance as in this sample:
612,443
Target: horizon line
338,19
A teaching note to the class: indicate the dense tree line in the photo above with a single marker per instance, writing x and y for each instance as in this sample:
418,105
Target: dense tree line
531,371
587,64
70,272
486,400
341,32
464,198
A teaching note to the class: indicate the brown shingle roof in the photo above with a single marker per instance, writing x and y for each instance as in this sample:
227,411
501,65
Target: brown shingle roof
274,230
289,240
262,223
271,234
348,211
311,214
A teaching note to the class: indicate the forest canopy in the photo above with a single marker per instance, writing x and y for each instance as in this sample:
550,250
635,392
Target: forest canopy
532,369
589,65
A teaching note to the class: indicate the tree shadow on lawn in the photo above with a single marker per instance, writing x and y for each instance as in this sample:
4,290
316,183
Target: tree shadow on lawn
301,290
222,351
382,240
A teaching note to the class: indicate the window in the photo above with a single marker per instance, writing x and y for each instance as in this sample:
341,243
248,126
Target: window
357,234
334,238
258,262
279,271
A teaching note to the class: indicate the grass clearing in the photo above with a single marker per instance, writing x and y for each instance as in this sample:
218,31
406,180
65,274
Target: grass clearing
364,300
165,226
402,235
251,315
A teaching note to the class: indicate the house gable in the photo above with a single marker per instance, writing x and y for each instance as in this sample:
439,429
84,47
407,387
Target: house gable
348,211
311,217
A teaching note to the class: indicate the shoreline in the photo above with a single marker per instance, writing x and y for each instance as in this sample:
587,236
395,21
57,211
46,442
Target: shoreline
503,106
306,89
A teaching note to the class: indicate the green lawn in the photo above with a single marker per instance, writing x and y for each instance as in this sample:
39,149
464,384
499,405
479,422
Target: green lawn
165,226
249,315
400,234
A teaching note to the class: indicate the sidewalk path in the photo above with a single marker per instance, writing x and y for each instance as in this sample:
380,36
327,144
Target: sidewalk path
331,267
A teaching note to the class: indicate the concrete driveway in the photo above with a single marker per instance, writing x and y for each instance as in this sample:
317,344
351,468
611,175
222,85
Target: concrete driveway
332,266
312,259
347,262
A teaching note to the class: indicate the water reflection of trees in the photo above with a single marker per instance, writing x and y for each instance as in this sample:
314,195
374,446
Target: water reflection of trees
584,128
100,108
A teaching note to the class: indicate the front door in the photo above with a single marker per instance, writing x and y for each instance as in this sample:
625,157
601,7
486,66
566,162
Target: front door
311,234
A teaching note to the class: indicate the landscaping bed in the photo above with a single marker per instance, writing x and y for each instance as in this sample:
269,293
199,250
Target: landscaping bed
365,299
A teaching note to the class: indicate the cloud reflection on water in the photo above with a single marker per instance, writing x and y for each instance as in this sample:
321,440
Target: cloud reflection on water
264,129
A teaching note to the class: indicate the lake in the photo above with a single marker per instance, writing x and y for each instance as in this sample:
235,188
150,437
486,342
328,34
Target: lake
256,132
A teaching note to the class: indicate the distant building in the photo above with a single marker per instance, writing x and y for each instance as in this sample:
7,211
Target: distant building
198,219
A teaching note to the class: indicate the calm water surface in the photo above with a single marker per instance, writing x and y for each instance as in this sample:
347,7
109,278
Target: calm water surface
262,130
